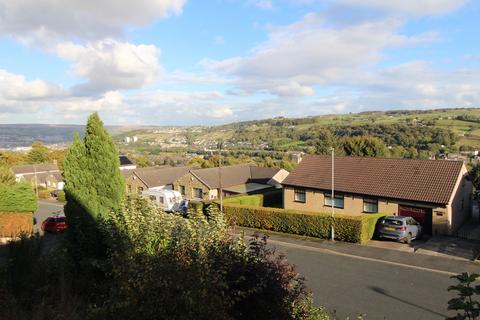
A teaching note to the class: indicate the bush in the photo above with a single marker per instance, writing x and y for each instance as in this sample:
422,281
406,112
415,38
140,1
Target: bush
348,228
13,224
17,198
44,194
61,196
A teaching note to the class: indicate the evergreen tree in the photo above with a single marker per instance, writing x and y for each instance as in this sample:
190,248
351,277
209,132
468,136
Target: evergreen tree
107,184
94,188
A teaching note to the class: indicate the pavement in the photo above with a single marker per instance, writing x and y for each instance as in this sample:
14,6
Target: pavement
380,283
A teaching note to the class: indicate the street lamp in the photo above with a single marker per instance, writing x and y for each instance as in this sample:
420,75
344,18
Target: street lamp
333,191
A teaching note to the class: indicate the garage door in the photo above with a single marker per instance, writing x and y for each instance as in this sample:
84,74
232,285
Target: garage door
422,215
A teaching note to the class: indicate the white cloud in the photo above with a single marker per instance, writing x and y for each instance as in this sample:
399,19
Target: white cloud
17,88
111,65
417,7
301,55
47,21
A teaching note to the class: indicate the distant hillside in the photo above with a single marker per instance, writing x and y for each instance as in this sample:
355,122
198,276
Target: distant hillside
456,129
22,135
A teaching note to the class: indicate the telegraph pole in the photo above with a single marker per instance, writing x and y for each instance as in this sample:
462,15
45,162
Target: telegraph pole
333,192
220,175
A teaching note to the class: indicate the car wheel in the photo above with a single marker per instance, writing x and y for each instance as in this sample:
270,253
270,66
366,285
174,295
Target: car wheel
408,238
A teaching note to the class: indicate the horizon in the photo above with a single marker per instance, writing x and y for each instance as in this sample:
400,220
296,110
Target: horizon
185,63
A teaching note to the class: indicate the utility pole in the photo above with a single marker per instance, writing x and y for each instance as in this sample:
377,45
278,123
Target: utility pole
36,182
333,192
220,175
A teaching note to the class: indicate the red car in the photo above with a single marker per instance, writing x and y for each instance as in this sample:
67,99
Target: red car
54,224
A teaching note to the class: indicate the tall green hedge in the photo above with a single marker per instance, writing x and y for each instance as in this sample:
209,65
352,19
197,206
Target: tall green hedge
348,228
18,197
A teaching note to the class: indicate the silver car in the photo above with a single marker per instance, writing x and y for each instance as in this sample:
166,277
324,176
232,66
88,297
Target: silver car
399,228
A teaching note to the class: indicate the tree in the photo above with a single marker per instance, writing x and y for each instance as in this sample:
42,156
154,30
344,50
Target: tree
6,176
39,153
475,176
94,188
142,161
465,302
365,147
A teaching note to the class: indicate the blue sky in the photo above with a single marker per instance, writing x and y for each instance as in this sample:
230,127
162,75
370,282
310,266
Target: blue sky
178,62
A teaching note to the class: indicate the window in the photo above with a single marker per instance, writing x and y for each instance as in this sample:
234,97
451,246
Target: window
299,195
338,202
139,190
153,198
161,200
370,205
197,193
169,186
129,188
182,190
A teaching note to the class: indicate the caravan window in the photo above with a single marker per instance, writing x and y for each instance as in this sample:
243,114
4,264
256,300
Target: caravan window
161,199
152,198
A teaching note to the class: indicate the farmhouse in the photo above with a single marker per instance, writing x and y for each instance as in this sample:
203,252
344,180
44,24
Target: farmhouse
436,193
205,184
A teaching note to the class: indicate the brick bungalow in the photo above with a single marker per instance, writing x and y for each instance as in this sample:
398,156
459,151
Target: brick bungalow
437,193
162,177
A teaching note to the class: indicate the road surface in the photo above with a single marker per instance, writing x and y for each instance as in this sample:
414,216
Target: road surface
45,209
353,280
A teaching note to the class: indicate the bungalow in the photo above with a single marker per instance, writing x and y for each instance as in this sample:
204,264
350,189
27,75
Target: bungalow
205,184
436,193
44,174
150,178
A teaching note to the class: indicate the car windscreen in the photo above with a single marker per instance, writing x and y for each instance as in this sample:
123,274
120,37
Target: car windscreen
61,219
392,222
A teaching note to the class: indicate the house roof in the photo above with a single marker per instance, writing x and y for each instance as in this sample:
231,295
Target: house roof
160,176
234,175
247,187
125,161
431,181
31,168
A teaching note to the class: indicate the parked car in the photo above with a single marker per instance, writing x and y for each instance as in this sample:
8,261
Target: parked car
54,193
55,224
399,228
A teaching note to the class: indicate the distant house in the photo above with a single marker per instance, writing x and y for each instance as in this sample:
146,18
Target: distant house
126,163
205,184
150,178
44,175
436,193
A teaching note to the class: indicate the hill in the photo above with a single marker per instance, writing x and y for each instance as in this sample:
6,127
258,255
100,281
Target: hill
453,129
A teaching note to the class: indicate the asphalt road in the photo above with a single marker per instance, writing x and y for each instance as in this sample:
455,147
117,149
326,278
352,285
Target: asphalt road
45,209
353,280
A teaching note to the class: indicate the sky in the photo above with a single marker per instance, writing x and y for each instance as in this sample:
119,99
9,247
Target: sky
193,62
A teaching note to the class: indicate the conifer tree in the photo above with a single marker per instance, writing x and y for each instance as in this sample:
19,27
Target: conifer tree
94,188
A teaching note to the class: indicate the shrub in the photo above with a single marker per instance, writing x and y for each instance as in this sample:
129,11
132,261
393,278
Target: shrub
347,228
17,198
61,196
43,194
13,224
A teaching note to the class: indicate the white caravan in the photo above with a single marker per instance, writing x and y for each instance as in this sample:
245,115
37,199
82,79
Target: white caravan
168,200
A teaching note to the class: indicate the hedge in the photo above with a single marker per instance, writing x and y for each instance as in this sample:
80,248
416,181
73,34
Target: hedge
12,224
61,196
17,198
358,229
